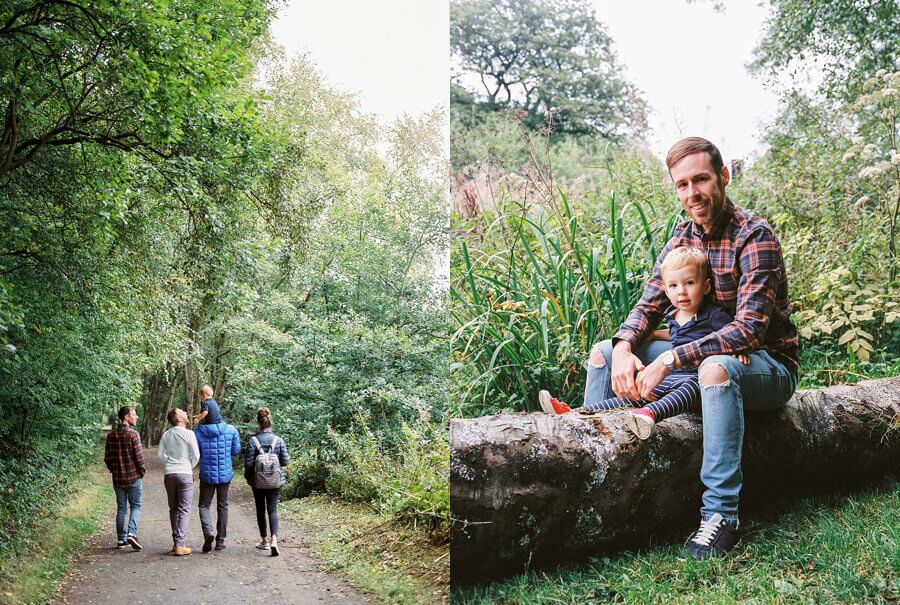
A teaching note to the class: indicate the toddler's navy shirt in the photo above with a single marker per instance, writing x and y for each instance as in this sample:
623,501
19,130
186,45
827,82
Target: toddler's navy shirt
709,319
213,415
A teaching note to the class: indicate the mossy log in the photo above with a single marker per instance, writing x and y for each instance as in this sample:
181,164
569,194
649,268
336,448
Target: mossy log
535,488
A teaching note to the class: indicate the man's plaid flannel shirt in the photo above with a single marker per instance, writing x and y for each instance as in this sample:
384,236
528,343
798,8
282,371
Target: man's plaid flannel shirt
124,457
749,281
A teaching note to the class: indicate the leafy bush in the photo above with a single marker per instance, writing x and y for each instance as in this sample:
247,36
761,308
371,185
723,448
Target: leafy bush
849,313
407,481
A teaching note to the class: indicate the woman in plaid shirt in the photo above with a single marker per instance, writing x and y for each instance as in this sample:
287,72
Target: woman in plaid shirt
750,282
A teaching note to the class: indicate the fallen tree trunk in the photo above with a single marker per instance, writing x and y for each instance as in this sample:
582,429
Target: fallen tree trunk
534,488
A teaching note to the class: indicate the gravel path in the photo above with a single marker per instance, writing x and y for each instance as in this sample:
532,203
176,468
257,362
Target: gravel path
238,574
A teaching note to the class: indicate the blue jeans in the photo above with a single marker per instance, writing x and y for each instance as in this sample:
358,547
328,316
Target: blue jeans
128,497
764,384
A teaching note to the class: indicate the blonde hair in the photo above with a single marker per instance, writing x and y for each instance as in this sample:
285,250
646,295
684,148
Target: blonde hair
684,257
206,390
264,418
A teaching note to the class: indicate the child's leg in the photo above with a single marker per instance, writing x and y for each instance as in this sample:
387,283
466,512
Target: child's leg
668,383
681,394
610,404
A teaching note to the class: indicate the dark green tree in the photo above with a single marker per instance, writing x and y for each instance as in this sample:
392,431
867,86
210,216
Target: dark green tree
552,60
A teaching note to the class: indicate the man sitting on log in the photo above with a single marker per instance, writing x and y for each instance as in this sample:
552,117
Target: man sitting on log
750,283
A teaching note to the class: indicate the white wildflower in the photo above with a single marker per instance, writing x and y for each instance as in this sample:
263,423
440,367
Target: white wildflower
895,158
871,172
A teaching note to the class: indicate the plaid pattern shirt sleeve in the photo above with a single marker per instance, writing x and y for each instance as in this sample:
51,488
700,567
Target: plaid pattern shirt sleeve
138,453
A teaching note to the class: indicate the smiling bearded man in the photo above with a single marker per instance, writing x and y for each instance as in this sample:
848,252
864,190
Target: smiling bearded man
750,283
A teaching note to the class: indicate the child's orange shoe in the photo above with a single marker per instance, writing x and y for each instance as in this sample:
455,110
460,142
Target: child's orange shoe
552,405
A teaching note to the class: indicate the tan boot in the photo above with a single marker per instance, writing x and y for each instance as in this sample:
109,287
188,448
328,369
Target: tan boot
180,551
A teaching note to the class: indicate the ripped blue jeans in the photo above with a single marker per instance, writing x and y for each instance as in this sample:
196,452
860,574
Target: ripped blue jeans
764,384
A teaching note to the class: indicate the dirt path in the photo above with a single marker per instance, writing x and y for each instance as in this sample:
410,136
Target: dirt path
238,574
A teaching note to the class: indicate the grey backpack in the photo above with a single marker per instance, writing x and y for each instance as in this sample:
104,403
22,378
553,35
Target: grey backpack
267,467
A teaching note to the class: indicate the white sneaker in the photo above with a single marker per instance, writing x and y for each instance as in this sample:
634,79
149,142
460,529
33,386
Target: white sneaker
263,544
641,425
544,400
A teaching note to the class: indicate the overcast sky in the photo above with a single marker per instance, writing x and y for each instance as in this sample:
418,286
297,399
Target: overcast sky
687,59
690,63
393,53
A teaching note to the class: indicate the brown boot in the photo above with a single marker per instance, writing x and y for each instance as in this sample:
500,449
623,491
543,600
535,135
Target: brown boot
180,551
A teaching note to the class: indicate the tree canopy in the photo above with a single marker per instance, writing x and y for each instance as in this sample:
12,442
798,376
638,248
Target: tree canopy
553,61
851,39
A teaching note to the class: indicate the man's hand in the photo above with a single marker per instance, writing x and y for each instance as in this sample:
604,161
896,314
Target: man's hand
744,359
650,378
624,365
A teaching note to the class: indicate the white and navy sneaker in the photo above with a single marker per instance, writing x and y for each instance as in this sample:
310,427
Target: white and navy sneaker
714,537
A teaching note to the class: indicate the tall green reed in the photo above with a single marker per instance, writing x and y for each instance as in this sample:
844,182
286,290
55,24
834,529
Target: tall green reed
527,313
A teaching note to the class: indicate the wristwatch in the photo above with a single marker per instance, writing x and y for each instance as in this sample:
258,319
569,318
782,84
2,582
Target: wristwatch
668,359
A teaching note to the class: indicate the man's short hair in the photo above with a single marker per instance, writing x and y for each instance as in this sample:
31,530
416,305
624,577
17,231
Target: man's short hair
684,257
124,411
691,145
172,416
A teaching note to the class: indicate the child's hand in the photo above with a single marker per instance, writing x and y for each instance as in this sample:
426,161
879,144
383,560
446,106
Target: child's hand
743,358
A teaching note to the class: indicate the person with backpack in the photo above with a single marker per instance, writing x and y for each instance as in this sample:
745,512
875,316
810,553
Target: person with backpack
265,458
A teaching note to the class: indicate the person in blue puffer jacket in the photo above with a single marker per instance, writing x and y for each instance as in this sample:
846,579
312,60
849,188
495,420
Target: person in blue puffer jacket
218,443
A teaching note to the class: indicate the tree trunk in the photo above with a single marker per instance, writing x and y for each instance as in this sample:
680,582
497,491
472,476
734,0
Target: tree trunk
539,488
158,398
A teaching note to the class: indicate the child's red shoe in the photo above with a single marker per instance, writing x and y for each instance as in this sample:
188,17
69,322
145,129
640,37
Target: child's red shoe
552,405
641,422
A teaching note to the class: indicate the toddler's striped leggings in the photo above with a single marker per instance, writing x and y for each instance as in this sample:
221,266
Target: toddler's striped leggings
677,393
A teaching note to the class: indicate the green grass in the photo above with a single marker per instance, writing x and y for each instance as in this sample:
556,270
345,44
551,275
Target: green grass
34,578
836,549
394,562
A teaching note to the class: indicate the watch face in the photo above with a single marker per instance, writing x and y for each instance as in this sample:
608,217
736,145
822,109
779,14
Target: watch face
668,358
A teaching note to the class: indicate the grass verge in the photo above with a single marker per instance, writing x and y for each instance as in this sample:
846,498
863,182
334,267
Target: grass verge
835,549
396,563
35,578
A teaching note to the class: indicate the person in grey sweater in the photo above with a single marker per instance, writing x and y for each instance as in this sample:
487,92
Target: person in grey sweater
179,452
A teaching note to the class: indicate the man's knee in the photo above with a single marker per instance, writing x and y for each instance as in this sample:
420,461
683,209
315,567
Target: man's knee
714,370
601,354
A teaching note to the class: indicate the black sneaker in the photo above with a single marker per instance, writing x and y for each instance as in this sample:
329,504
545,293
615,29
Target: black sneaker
207,543
716,536
134,542
121,544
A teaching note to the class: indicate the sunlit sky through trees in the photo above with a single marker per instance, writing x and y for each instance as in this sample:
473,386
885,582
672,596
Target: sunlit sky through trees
688,60
393,53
